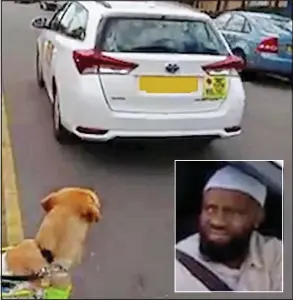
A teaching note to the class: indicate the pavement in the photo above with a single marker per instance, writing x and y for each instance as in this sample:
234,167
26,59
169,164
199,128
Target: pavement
130,253
3,226
11,220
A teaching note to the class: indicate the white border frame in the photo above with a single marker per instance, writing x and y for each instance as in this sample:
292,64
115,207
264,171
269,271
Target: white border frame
280,163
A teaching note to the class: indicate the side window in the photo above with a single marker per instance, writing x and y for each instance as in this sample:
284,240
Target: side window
236,23
55,20
74,21
77,26
222,20
67,17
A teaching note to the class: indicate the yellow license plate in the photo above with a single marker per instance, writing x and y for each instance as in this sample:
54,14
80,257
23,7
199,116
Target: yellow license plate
289,49
215,87
168,85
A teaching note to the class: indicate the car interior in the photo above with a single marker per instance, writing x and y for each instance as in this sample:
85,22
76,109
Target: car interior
191,178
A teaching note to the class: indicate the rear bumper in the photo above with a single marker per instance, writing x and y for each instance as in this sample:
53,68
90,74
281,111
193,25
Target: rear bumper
127,134
85,110
133,125
271,63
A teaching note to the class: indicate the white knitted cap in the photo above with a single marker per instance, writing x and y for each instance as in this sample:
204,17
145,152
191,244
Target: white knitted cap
230,178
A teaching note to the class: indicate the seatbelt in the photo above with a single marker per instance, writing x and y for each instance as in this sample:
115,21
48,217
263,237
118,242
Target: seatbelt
202,273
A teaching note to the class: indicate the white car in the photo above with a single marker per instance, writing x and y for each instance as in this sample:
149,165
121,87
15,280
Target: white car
138,69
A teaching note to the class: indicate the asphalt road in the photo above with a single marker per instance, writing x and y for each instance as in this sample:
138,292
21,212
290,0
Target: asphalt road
130,253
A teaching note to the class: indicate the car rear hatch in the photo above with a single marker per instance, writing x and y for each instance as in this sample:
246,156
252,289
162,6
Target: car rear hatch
284,37
150,88
156,65
277,39
285,45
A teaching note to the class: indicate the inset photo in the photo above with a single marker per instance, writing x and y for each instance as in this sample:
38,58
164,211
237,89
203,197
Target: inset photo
229,226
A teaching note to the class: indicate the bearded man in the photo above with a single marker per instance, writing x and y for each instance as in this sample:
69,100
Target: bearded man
227,253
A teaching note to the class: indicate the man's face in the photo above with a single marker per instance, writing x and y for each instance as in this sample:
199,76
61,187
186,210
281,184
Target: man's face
226,223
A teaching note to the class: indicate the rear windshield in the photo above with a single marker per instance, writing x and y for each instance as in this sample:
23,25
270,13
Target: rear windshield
162,36
284,24
272,25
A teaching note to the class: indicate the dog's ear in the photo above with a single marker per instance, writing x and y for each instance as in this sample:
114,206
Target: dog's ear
91,214
49,202
95,198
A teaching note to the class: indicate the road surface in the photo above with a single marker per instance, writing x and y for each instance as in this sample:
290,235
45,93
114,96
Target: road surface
130,253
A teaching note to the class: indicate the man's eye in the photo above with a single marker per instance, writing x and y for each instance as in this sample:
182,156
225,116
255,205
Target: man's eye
210,209
235,213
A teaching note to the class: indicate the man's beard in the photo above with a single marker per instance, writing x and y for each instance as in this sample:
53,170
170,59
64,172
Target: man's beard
236,248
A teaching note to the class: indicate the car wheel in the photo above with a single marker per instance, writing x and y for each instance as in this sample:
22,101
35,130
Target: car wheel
238,52
62,135
39,72
241,54
245,74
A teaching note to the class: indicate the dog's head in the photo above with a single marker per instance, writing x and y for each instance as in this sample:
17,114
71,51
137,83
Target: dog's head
84,202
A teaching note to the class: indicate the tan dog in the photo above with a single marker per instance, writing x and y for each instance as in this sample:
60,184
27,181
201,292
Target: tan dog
70,212
23,260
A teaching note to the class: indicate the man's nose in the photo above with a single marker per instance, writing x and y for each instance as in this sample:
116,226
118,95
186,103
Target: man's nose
218,220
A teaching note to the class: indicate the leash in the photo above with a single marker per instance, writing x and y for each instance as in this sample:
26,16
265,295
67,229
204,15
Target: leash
44,272
20,277
47,254
30,277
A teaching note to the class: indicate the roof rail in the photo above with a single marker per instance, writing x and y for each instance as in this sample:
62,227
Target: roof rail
106,4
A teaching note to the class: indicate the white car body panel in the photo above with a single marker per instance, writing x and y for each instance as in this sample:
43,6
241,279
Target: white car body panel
113,102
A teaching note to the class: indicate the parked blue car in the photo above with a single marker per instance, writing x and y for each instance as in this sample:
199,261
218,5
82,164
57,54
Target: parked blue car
262,40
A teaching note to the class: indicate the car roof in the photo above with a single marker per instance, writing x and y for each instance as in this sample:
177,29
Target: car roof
140,7
258,14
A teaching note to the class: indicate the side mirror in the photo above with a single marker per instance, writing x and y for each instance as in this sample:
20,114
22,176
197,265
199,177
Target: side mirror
48,6
39,23
53,7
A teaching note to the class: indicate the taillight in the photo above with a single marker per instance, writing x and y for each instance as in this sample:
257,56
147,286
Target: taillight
232,62
268,45
93,62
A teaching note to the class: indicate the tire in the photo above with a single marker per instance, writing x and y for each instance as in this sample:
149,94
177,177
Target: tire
241,54
62,135
238,52
39,75
245,74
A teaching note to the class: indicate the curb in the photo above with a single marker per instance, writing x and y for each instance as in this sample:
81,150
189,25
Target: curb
10,199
